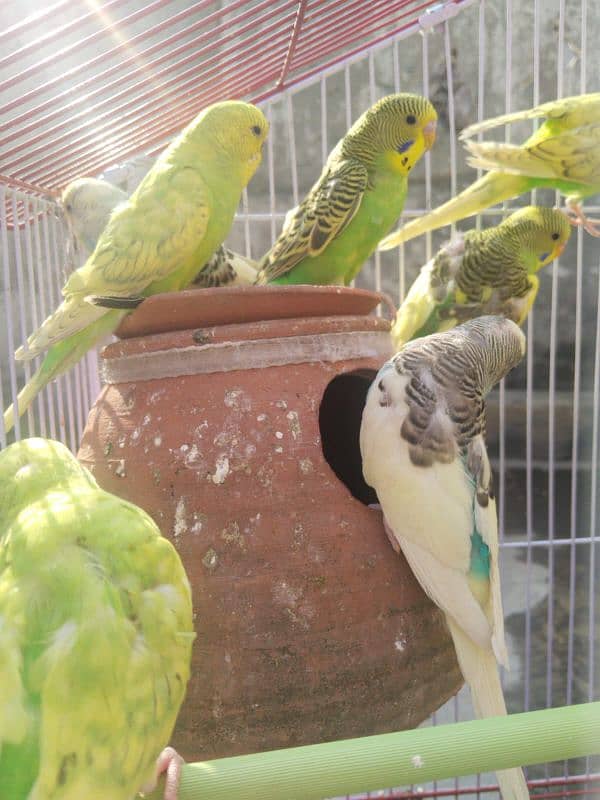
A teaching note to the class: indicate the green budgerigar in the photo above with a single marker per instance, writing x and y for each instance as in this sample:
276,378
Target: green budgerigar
173,222
96,633
492,271
358,197
423,451
563,154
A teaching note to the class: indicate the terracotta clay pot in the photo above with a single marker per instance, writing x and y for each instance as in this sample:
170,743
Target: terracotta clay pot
232,417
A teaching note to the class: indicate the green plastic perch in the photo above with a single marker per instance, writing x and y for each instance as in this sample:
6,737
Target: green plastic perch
352,766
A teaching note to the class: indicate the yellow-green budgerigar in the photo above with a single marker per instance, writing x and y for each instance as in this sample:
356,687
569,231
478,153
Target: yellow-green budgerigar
173,222
563,154
423,451
492,271
357,198
87,204
96,633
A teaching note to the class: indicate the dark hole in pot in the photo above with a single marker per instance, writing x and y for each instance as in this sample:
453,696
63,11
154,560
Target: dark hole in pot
339,422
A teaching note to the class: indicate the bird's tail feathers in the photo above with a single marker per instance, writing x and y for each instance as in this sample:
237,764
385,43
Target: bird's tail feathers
504,119
59,359
415,309
509,158
480,671
490,189
72,315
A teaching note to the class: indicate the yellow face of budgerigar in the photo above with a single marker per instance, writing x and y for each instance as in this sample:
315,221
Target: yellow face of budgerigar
405,127
544,232
239,130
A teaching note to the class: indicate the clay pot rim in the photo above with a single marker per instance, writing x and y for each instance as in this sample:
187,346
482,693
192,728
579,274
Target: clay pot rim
200,308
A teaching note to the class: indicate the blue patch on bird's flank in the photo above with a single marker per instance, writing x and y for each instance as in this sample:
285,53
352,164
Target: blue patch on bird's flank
544,256
480,556
402,148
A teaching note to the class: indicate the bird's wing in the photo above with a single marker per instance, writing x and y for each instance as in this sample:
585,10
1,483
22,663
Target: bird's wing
322,216
573,155
148,237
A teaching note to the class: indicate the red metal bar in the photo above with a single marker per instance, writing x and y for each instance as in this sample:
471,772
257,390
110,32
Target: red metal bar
32,20
140,140
240,70
326,65
91,144
76,45
293,40
60,76
342,37
8,180
152,93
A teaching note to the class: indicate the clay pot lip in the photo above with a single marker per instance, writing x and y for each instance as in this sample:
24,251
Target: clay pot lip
225,305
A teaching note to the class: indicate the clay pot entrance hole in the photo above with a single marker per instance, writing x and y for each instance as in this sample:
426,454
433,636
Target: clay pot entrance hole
340,416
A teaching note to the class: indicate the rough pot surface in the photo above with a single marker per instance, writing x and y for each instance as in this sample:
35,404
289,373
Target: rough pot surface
309,627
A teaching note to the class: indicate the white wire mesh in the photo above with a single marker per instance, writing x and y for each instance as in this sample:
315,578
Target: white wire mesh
544,423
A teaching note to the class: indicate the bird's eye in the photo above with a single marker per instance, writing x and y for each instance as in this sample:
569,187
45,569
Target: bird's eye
555,236
411,119
256,130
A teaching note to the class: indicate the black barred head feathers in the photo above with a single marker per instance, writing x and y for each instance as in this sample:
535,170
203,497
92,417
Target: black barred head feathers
443,379
394,132
541,233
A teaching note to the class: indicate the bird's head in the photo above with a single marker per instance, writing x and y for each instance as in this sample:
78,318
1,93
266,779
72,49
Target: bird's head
236,131
542,233
89,199
397,130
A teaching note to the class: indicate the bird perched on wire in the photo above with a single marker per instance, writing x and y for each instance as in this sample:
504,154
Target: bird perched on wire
492,271
357,198
423,451
563,154
174,221
96,634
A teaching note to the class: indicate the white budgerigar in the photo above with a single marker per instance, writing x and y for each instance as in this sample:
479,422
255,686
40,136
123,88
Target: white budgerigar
423,450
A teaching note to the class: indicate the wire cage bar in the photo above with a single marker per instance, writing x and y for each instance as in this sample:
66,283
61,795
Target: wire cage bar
75,89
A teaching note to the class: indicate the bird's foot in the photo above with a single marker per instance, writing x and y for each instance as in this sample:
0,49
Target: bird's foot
577,217
169,762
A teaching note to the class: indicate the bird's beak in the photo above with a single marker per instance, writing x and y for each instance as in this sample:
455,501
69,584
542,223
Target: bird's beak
429,134
559,249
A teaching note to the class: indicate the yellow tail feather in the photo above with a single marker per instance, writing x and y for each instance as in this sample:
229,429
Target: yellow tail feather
509,158
415,309
489,190
72,315
59,358
480,671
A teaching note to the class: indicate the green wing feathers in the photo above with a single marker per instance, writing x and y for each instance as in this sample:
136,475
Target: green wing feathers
97,639
158,239
319,219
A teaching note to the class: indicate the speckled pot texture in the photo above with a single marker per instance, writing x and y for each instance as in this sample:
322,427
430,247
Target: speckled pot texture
240,438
